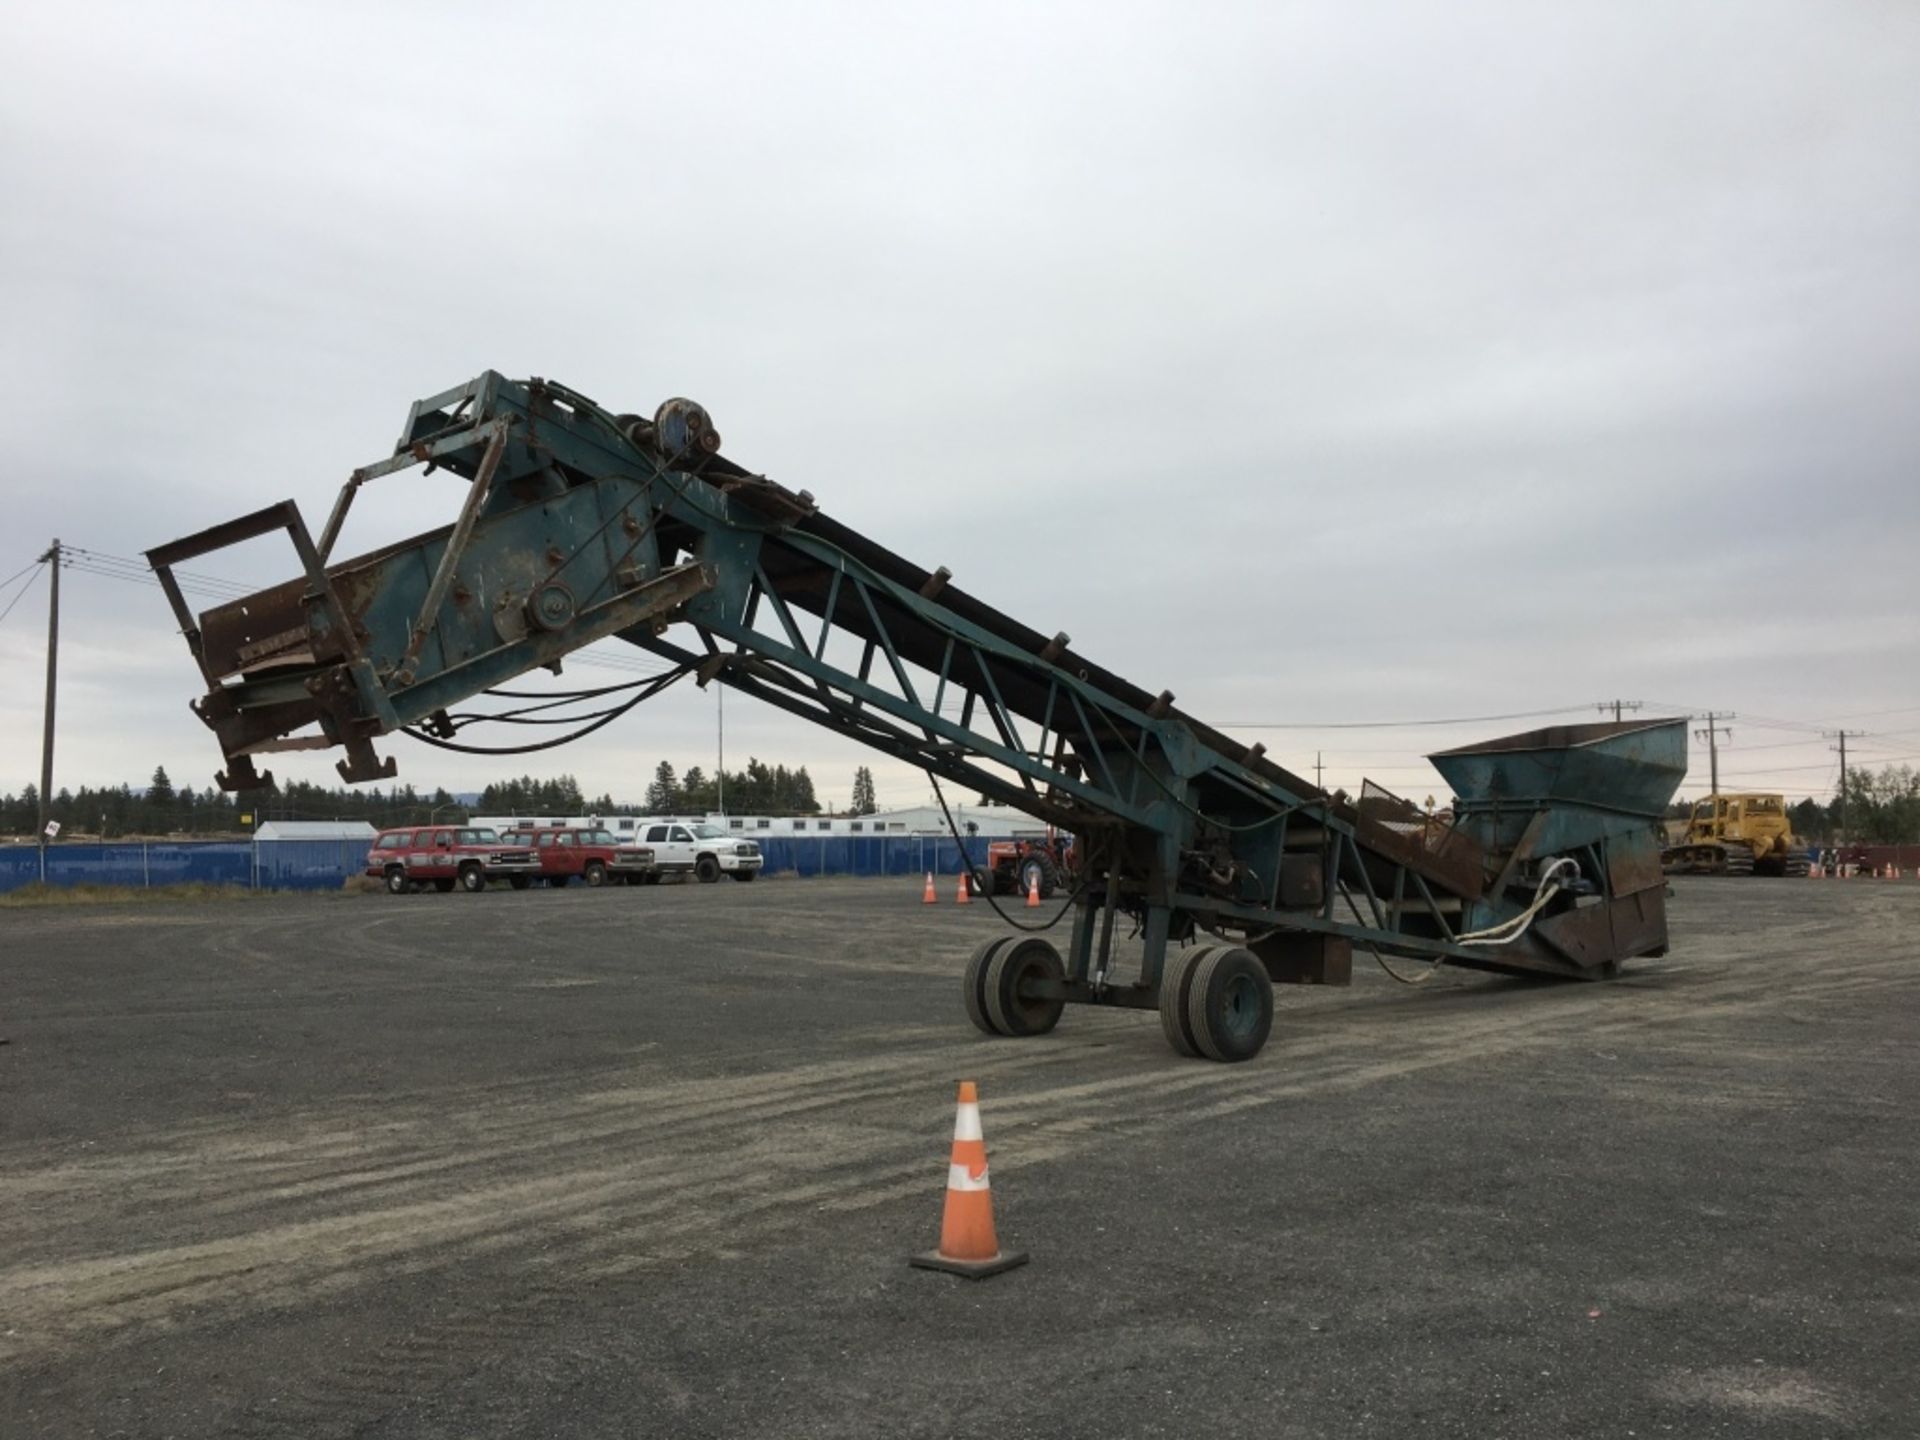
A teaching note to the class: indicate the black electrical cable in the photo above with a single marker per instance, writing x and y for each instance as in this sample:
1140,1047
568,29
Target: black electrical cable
592,694
514,716
465,720
605,719
987,892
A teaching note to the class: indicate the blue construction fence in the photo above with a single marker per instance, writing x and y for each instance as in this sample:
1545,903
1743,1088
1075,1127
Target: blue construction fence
326,864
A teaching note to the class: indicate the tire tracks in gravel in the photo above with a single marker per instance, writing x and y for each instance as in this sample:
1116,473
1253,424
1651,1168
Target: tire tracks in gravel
568,1184
604,1181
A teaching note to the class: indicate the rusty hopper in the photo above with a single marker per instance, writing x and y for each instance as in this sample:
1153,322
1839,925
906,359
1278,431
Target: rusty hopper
1592,791
1592,781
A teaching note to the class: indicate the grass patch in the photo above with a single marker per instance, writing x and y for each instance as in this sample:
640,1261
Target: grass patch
36,895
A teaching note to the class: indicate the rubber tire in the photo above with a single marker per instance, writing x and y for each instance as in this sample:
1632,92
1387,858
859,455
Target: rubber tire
445,887
1175,976
743,876
397,883
1032,865
1027,959
519,882
973,981
1230,1005
595,874
706,869
472,879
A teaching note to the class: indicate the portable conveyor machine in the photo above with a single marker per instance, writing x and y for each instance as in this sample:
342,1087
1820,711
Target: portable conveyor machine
579,524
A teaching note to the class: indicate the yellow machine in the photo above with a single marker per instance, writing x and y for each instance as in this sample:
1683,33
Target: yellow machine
1735,835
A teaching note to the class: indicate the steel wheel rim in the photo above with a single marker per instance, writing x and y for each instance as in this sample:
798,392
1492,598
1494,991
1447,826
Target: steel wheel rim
1240,1014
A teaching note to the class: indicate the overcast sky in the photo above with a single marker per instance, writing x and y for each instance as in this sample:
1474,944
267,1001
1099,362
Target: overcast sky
1320,363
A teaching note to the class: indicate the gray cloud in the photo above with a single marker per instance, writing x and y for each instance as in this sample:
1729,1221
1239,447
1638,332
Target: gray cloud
1316,362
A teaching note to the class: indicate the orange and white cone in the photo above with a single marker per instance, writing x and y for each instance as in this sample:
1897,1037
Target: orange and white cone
964,895
930,898
1033,892
968,1245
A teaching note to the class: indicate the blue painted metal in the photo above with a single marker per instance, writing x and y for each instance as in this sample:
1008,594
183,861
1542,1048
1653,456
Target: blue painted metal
1595,780
579,523
327,864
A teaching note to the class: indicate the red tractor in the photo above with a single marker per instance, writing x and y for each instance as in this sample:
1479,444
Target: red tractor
1015,865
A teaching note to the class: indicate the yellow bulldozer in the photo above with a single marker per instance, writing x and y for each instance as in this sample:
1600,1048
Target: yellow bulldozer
1735,835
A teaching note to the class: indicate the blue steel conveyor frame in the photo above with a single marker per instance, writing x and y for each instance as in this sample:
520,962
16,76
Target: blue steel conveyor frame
579,524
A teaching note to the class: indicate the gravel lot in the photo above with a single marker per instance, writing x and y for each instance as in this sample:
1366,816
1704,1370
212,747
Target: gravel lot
649,1162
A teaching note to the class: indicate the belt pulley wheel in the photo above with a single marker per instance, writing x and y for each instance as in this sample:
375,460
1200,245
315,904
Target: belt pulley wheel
550,607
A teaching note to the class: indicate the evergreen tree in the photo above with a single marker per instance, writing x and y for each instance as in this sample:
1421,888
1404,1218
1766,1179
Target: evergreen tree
663,795
863,798
803,801
696,792
160,801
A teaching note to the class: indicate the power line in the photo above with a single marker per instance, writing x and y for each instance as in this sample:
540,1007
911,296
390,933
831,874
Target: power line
189,587
1824,765
1869,714
1397,724
18,573
35,568
142,569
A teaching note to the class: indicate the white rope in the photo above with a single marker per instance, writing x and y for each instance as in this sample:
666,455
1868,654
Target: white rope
1546,890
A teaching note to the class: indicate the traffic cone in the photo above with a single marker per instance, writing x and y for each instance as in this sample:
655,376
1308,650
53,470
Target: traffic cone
964,896
968,1245
1033,892
930,898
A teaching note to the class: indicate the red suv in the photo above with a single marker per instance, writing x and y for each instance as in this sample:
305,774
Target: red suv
447,855
560,852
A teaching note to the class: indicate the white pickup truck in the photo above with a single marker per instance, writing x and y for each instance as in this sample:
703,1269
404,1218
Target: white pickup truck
700,849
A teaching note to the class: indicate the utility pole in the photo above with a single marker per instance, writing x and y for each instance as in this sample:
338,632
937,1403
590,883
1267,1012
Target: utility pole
720,736
1316,772
1712,735
52,557
1840,826
1617,706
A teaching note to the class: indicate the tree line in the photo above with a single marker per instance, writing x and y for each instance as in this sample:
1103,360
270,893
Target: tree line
161,808
760,789
1882,807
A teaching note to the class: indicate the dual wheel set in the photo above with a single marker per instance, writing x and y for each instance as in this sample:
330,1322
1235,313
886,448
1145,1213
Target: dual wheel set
1215,999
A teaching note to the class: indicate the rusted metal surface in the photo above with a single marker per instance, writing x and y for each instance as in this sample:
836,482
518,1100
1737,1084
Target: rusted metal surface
1601,934
1449,857
247,634
1633,864
1294,957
